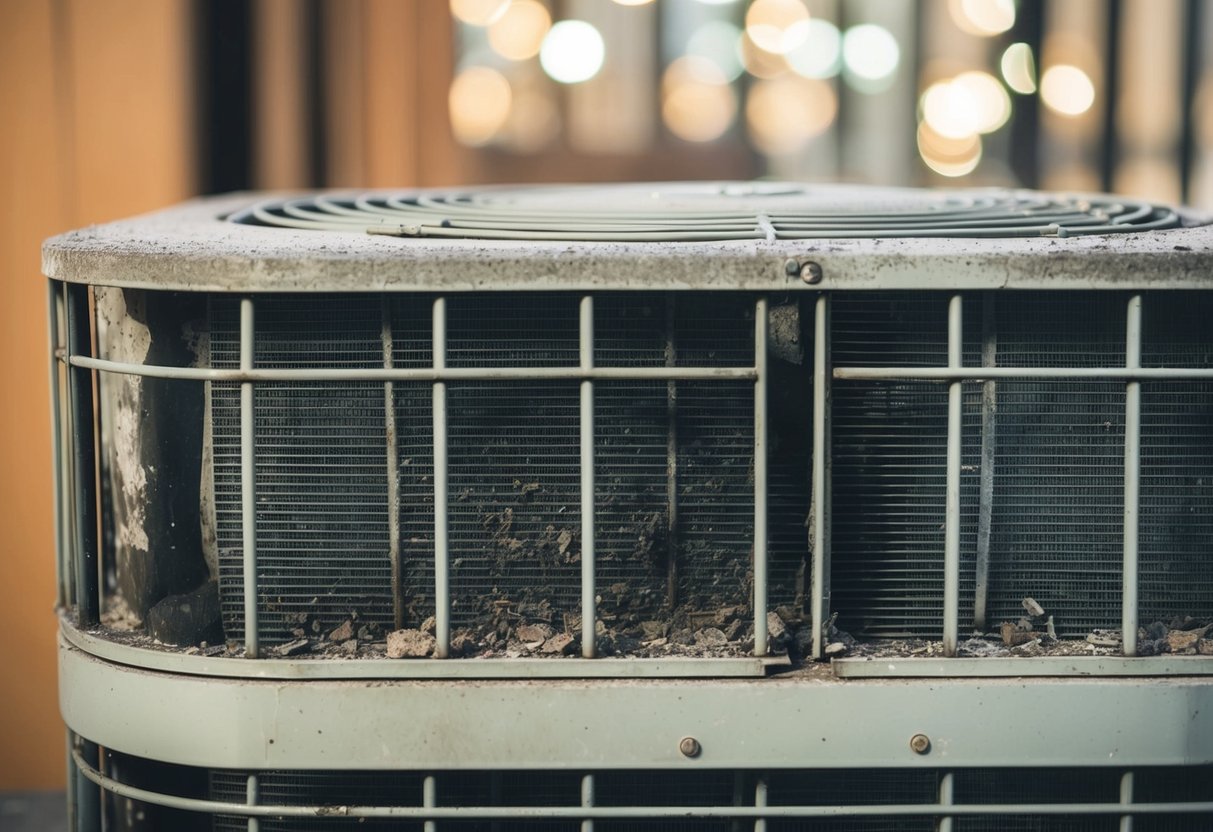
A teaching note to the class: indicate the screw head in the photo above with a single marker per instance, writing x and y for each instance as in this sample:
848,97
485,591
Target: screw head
690,747
810,272
920,743
791,267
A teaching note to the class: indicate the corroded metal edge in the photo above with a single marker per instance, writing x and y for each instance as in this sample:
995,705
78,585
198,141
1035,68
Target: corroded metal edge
781,722
190,248
176,661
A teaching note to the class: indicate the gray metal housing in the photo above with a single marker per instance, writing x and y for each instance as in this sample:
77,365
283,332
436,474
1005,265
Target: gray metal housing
439,716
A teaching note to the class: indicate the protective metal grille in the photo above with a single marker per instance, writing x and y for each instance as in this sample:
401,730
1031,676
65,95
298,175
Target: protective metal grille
1177,461
1034,789
1055,503
708,212
345,469
321,468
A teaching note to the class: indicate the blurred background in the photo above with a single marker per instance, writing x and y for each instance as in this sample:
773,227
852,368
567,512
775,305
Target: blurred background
113,107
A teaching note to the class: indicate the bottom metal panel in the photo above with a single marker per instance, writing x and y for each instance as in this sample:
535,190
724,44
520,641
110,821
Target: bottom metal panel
781,722
149,795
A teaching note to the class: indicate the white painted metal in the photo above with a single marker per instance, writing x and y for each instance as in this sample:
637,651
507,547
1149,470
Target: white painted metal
589,595
442,555
787,721
1132,485
951,550
819,602
248,482
761,647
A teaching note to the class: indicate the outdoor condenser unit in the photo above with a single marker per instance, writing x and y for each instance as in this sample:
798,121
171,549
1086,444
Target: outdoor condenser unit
671,506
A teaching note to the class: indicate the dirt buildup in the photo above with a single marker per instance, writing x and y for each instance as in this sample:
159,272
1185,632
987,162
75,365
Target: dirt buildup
409,644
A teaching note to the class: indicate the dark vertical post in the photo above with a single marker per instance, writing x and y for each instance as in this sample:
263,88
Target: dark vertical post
88,794
1025,124
84,453
1111,90
225,94
1192,64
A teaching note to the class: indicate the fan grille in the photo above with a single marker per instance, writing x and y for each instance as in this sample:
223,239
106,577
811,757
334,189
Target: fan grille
689,212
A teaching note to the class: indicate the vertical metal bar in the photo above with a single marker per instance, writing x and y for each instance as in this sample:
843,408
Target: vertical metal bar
68,491
671,455
760,477
84,447
1126,799
252,795
951,551
442,553
248,483
56,440
587,800
588,589
760,802
947,797
989,447
392,461
429,800
88,795
1128,614
820,600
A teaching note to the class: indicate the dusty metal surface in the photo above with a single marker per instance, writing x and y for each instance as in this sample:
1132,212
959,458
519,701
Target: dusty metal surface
378,667
190,247
991,667
782,722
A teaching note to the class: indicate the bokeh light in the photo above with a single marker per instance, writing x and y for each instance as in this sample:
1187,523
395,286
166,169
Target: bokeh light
870,52
971,103
759,62
1067,90
479,103
948,109
572,52
718,41
783,114
992,105
777,26
984,18
479,12
698,103
518,34
1019,68
948,156
820,56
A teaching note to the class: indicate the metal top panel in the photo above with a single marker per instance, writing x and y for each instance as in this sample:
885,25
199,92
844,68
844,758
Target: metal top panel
653,236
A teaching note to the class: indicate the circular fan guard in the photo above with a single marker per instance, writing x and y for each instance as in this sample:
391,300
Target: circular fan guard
705,213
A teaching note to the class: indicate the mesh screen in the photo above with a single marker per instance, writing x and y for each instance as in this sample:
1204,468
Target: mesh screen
1057,499
889,458
1176,522
321,472
681,449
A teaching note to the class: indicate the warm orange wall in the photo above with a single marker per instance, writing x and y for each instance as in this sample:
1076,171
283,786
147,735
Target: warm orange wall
95,123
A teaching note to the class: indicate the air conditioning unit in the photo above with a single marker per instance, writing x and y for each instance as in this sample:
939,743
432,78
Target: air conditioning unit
668,506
